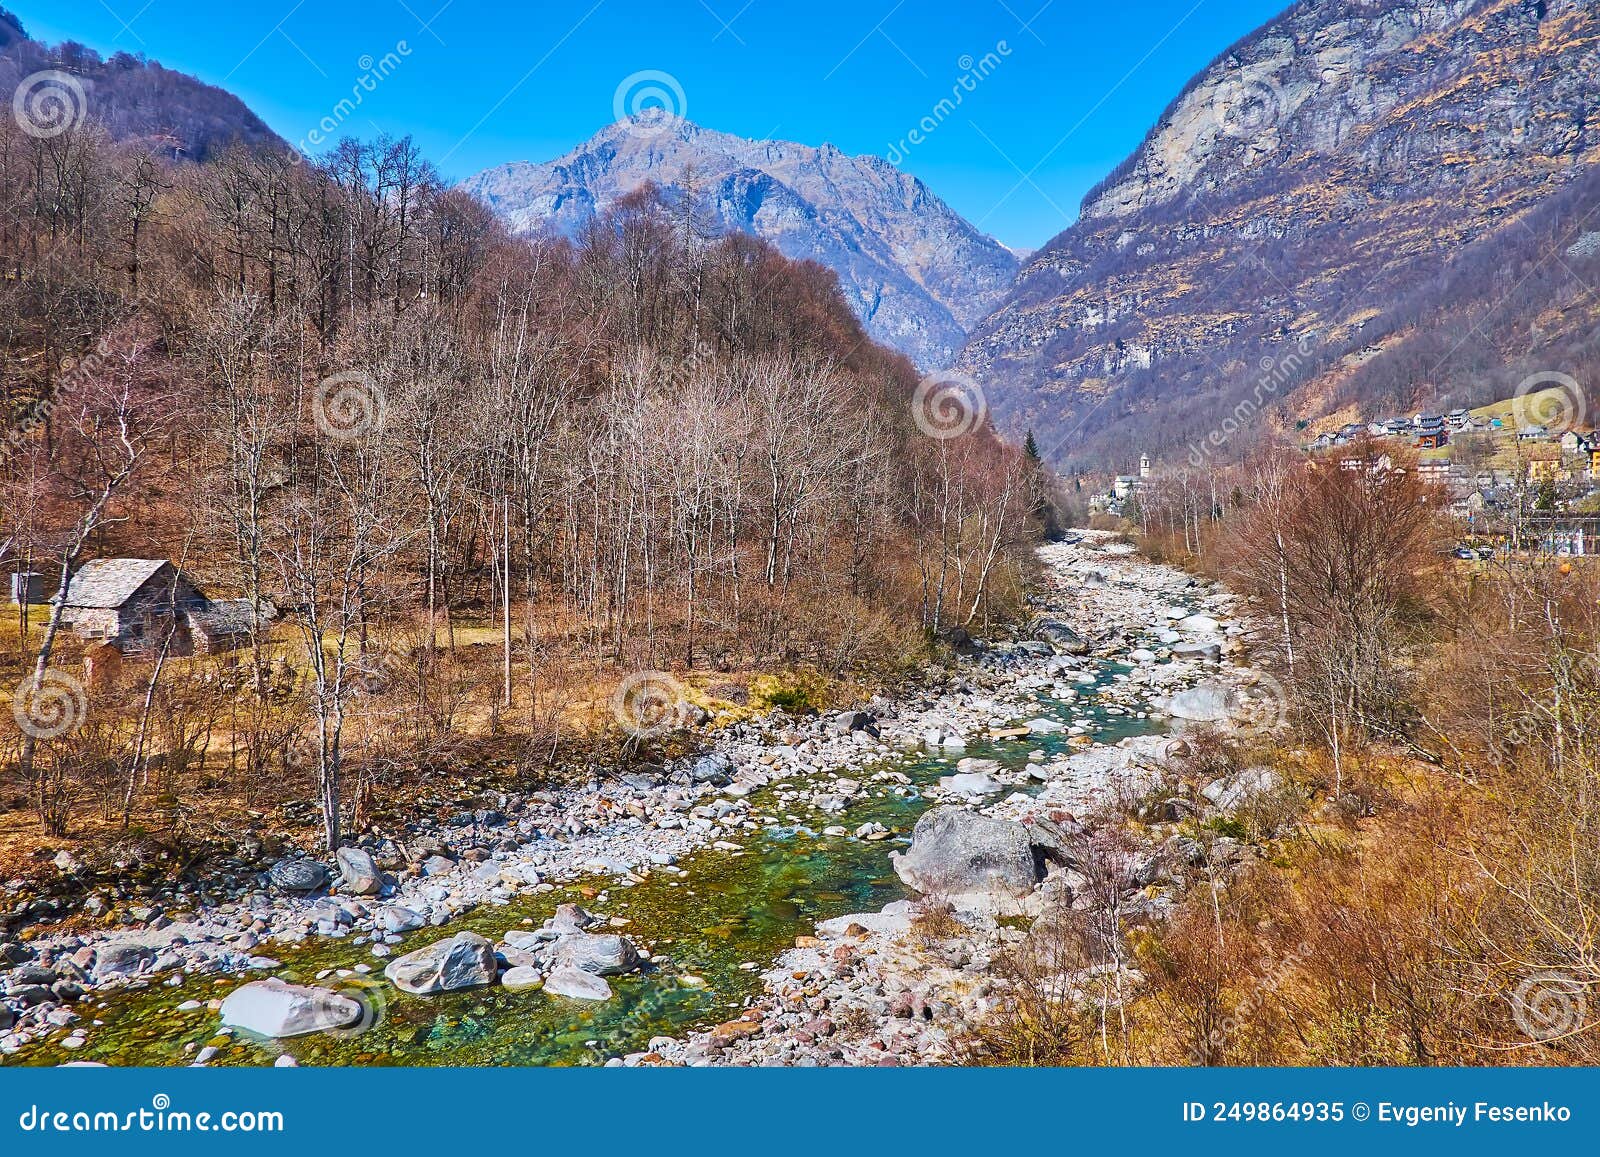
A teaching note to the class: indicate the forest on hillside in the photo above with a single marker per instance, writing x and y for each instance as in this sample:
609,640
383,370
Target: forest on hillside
462,483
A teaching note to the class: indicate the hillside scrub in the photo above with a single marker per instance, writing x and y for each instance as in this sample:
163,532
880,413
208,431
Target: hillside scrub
1425,893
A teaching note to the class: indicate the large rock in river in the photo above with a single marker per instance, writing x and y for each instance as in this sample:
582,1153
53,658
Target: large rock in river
971,783
1207,703
599,955
1063,636
274,1008
358,872
972,860
465,960
298,875
577,984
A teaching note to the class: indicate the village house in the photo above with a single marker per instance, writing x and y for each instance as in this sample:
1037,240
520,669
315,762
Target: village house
1472,505
1584,446
1544,464
131,604
27,586
1431,432
1368,463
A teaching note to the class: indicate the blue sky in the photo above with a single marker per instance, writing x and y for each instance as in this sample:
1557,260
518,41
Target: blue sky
1056,93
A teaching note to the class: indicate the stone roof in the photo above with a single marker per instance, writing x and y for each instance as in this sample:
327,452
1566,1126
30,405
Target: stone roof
107,583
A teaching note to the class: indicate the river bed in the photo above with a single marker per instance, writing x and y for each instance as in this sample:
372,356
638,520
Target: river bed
712,927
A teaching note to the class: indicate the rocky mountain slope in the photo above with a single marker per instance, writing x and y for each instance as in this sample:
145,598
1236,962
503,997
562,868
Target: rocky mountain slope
916,272
132,97
1365,204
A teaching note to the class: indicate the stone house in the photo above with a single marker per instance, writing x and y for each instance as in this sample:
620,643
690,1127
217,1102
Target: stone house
132,603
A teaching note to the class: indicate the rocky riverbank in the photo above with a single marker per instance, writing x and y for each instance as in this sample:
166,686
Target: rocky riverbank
1114,639
991,871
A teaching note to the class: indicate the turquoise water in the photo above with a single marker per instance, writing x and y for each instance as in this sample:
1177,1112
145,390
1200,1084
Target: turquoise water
732,909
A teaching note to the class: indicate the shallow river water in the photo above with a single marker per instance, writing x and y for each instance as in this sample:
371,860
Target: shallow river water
730,910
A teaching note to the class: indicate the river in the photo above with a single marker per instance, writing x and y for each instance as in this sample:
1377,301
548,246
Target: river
711,930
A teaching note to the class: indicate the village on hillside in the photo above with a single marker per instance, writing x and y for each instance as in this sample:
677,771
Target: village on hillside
1512,483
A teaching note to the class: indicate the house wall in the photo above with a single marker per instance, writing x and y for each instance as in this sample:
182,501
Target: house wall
96,624
139,625
205,643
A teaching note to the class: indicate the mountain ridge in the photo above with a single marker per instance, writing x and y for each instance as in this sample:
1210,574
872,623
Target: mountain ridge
918,274
135,98
1301,204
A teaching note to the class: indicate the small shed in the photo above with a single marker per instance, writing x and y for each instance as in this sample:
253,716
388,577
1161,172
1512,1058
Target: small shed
27,586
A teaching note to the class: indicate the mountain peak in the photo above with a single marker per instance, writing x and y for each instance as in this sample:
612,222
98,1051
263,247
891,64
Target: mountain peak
917,274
